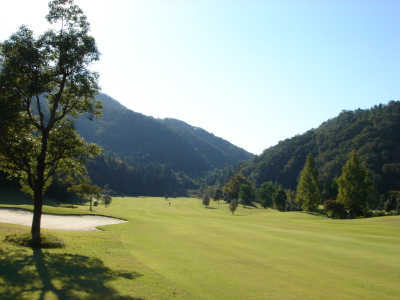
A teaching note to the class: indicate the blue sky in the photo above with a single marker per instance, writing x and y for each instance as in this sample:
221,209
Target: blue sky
252,72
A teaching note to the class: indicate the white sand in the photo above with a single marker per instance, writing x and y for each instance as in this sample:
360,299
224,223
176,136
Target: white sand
59,222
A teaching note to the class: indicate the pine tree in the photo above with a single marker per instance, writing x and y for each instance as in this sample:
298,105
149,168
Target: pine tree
309,192
356,187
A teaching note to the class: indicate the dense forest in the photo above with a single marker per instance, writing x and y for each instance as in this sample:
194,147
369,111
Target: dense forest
218,152
374,133
126,134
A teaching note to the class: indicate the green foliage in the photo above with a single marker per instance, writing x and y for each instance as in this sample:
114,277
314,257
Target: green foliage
356,187
233,205
217,151
218,195
86,191
308,190
233,186
246,195
372,132
166,196
331,189
206,200
335,209
267,192
280,200
392,202
291,204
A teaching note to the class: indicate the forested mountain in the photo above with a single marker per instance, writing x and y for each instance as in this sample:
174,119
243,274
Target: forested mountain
219,152
374,133
130,135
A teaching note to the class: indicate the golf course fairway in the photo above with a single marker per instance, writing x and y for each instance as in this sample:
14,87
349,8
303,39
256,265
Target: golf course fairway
187,251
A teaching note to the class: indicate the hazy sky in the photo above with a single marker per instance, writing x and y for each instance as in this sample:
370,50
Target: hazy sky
252,72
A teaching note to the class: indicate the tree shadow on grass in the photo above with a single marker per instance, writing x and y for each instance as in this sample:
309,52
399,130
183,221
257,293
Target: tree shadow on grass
64,276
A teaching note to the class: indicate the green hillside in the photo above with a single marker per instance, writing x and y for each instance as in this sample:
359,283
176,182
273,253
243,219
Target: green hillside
374,133
219,152
128,134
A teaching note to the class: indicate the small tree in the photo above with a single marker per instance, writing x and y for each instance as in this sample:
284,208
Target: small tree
107,200
233,205
393,202
280,200
81,190
266,193
356,187
308,190
206,200
218,195
107,195
335,209
291,200
166,196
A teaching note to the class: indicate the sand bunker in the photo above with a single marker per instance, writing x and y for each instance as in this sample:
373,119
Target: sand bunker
59,222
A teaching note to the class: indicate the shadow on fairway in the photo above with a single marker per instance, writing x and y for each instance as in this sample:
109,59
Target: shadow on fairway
65,276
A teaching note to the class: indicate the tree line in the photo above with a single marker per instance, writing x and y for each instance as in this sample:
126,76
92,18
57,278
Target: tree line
351,195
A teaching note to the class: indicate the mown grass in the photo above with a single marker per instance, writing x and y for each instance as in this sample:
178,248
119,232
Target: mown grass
187,251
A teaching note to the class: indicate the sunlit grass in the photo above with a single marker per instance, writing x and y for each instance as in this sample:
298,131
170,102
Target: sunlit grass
186,250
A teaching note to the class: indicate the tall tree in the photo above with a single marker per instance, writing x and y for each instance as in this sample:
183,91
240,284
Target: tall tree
41,137
267,192
309,192
356,187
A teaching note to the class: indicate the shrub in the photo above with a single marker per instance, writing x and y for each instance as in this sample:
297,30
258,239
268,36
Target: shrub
25,240
335,209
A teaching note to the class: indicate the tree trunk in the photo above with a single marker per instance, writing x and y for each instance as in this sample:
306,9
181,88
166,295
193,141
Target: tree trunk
37,216
38,185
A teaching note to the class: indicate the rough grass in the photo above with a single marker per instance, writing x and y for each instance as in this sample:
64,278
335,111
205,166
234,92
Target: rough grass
187,251
25,240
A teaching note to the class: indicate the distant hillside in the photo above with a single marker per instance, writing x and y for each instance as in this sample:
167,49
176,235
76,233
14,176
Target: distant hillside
127,134
374,133
219,152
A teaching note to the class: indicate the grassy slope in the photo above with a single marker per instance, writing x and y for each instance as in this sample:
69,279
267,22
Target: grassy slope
186,251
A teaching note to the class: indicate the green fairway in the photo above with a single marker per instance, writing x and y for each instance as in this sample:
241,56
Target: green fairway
185,251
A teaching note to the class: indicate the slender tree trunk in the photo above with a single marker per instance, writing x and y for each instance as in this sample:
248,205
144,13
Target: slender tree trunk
38,193
37,216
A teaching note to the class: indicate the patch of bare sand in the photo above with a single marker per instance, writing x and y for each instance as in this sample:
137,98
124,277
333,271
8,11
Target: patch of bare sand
58,222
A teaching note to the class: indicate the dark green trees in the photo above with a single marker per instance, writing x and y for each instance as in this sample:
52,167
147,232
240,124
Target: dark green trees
246,195
218,195
267,192
233,186
356,187
233,204
41,137
206,200
308,190
280,200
